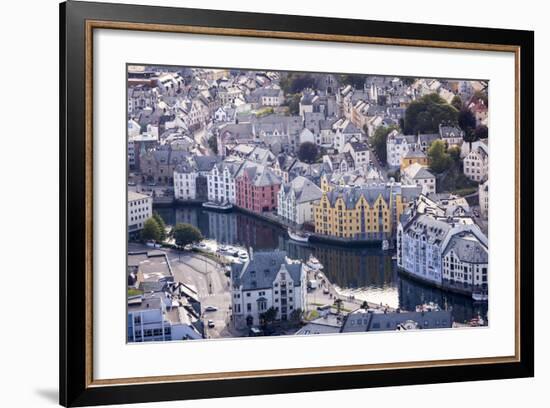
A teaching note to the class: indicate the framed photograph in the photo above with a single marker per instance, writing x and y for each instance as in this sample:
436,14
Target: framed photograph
257,204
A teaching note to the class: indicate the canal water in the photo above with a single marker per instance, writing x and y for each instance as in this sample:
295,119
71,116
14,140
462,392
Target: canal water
367,273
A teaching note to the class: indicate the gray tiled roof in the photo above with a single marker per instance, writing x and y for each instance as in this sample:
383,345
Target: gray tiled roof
468,248
304,190
261,270
365,321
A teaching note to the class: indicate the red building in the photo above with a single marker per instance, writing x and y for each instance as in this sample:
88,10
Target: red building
257,187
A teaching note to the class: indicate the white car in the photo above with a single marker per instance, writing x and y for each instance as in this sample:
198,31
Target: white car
211,323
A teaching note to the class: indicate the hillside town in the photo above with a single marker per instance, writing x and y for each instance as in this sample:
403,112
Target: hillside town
393,165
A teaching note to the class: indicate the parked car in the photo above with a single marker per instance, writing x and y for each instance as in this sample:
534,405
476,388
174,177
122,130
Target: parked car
210,309
255,332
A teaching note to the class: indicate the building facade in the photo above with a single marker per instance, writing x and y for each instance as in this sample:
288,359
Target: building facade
256,187
476,163
221,181
430,245
367,212
140,208
268,280
419,175
296,200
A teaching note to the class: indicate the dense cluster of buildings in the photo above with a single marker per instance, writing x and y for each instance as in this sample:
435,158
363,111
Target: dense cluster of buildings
232,138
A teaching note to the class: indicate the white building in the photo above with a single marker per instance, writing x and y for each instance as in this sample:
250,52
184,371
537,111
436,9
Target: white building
185,182
221,181
483,190
140,208
465,260
156,317
419,175
295,200
425,241
268,280
476,163
397,146
345,132
360,153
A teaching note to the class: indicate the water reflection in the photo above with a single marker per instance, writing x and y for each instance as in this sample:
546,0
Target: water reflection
367,273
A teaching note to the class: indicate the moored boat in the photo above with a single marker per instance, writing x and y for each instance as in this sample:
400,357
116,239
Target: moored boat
211,205
298,236
314,263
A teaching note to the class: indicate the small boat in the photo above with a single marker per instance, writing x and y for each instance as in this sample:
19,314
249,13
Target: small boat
298,236
211,205
480,296
385,245
314,263
394,257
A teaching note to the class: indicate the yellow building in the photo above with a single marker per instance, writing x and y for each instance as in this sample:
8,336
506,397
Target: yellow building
414,156
369,212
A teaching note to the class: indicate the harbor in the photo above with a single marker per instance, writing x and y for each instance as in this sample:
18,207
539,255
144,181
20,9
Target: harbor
355,274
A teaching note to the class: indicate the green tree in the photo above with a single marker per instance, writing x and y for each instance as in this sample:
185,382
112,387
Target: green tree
338,303
308,152
439,159
454,154
268,316
457,102
293,103
296,315
151,230
355,80
161,224
481,132
213,144
467,122
379,139
295,82
427,113
185,234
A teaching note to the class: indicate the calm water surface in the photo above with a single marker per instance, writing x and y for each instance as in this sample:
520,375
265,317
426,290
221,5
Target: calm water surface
368,273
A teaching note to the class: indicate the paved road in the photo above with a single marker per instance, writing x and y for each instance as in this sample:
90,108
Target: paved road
210,282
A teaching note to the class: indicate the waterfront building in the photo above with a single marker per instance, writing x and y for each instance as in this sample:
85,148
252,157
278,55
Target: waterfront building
476,163
267,280
419,175
159,165
483,195
185,182
426,236
465,261
367,212
140,208
296,199
221,181
256,187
